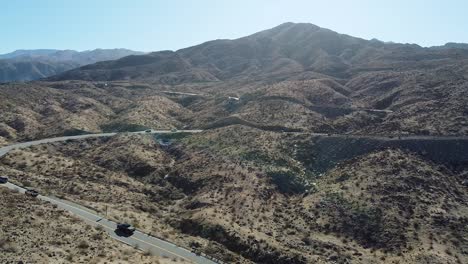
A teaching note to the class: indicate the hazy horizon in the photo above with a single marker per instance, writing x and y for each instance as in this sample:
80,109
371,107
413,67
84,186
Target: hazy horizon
147,26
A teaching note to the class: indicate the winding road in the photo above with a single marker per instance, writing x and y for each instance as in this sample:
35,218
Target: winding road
139,240
6,149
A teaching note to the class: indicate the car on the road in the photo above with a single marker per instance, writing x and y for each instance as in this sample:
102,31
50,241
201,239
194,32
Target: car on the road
3,179
148,131
31,192
125,228
174,130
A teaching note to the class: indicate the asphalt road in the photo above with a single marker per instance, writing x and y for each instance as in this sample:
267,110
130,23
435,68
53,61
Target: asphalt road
181,93
6,149
138,239
382,137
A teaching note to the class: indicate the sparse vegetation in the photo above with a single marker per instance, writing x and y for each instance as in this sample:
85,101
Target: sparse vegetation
75,132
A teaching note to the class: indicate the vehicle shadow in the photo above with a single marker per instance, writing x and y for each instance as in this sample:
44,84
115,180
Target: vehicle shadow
123,233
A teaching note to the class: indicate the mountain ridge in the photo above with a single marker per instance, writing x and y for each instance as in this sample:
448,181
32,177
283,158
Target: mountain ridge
26,65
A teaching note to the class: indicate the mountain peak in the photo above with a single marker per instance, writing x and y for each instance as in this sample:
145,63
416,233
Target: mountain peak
289,27
294,24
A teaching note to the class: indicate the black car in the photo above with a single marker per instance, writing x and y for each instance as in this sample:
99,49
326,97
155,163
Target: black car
3,179
31,192
125,229
148,131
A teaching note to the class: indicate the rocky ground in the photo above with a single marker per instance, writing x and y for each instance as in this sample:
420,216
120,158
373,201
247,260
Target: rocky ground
3,142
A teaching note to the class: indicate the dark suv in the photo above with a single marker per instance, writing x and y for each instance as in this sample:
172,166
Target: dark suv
31,192
3,179
125,229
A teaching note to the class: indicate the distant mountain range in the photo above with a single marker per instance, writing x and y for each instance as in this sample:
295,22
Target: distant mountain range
26,65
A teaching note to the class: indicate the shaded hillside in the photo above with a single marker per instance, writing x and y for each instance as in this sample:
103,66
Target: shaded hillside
164,66
25,70
321,153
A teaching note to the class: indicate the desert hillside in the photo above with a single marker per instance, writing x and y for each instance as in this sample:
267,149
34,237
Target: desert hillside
238,194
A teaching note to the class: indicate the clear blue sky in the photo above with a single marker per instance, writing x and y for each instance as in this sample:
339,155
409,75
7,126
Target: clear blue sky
151,25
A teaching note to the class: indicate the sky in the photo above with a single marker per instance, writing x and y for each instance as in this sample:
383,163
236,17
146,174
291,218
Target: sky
152,25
